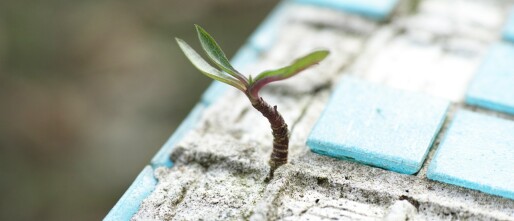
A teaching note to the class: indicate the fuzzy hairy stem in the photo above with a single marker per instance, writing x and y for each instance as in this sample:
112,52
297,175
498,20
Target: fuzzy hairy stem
279,131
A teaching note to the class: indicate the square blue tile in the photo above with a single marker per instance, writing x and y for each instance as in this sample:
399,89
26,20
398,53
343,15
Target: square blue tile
508,31
379,126
129,203
493,84
378,10
477,153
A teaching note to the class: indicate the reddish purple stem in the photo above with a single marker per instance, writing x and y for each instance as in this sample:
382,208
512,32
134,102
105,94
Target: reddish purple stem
279,131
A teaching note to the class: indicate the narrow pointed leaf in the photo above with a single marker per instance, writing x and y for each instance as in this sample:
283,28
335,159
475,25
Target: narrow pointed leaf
296,67
217,55
206,68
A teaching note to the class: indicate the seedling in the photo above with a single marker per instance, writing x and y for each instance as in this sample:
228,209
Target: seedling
251,86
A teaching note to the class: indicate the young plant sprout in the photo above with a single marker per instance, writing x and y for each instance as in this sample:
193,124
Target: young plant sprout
251,86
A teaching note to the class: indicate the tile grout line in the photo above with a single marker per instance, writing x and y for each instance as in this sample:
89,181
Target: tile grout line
439,138
454,108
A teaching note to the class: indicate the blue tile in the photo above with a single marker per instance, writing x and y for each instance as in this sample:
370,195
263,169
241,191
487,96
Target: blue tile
245,56
162,158
266,34
375,9
508,31
477,153
379,126
129,203
493,84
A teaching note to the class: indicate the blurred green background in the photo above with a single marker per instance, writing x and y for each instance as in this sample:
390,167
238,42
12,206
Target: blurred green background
90,90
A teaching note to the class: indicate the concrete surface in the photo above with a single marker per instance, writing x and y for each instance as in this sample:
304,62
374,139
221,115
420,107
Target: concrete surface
220,165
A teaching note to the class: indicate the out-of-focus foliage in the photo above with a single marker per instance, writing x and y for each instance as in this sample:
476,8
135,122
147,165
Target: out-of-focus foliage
90,90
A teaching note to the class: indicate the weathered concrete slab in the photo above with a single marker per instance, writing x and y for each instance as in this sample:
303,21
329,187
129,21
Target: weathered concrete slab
435,50
221,164
228,186
331,18
458,18
406,64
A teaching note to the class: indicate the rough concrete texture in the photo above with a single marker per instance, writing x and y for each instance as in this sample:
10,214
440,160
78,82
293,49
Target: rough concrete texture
221,165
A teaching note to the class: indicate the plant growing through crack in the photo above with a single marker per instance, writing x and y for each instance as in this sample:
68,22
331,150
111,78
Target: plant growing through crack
251,86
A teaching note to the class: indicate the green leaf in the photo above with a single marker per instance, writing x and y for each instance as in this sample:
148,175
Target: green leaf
206,68
217,55
296,67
